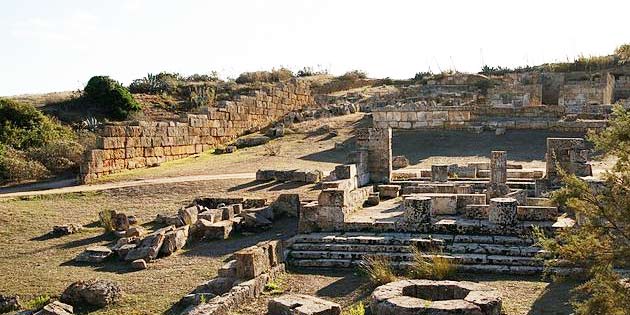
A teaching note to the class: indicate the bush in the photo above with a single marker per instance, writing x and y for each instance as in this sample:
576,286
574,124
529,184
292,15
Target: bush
379,269
23,126
15,166
356,309
32,145
274,75
105,219
37,303
623,53
112,96
163,82
432,267
354,75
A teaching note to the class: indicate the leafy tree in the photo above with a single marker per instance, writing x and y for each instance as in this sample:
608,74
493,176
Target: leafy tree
116,99
600,243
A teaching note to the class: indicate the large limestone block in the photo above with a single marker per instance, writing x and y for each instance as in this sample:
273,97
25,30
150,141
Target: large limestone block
417,210
149,247
439,173
251,262
174,240
503,211
300,304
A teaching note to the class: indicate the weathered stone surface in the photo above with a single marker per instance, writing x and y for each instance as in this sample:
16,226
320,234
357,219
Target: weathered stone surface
439,173
251,262
66,229
498,167
435,297
174,240
288,204
228,270
300,304
417,210
399,161
388,191
347,171
139,264
503,211
94,254
251,141
135,231
149,247
220,230
56,308
175,220
189,215
217,286
255,220
92,292
227,213
120,222
373,199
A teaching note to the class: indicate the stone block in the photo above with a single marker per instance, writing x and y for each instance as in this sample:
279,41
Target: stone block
94,254
439,173
347,171
251,262
300,304
332,197
417,210
219,230
174,240
503,211
388,191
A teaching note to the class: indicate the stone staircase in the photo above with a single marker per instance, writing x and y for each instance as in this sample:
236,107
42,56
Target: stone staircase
471,253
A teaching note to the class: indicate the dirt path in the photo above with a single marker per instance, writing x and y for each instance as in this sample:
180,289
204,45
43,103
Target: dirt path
64,186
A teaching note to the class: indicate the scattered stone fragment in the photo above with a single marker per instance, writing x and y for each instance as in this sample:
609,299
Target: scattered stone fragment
255,220
132,220
399,161
139,264
175,220
188,215
66,229
56,308
9,303
93,292
251,141
220,230
174,240
135,231
120,222
149,247
300,304
373,199
94,254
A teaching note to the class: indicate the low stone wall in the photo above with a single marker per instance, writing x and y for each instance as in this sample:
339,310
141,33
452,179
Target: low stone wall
411,116
574,95
131,145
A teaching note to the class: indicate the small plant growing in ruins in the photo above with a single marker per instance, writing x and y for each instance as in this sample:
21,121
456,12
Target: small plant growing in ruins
273,288
433,267
355,309
37,302
378,268
272,149
105,220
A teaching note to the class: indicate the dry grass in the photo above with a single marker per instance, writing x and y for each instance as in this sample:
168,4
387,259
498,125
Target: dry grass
434,267
379,269
273,148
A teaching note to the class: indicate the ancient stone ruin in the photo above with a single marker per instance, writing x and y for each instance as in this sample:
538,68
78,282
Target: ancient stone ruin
480,216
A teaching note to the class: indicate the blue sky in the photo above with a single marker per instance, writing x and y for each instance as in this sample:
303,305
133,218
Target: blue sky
58,45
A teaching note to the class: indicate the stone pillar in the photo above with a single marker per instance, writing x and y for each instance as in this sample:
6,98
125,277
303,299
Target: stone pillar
503,211
439,173
417,210
498,167
377,142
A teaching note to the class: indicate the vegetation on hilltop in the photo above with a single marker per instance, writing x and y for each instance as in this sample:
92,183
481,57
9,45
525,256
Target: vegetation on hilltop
111,96
600,243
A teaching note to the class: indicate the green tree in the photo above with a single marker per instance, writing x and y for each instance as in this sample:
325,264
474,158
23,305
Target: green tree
111,95
600,243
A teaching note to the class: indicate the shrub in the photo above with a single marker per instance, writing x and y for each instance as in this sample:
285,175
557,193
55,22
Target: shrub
378,268
434,267
15,166
273,287
112,96
57,156
23,126
275,75
356,309
163,82
623,53
309,71
354,75
105,220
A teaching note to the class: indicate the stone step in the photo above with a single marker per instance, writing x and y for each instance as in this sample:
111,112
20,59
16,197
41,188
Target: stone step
471,268
465,259
407,239
455,248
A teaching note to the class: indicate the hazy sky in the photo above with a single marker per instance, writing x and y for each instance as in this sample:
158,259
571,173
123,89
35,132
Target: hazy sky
58,45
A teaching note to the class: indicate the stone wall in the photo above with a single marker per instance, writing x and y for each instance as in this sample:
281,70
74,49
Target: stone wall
412,116
131,145
516,90
576,94
622,87
571,154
